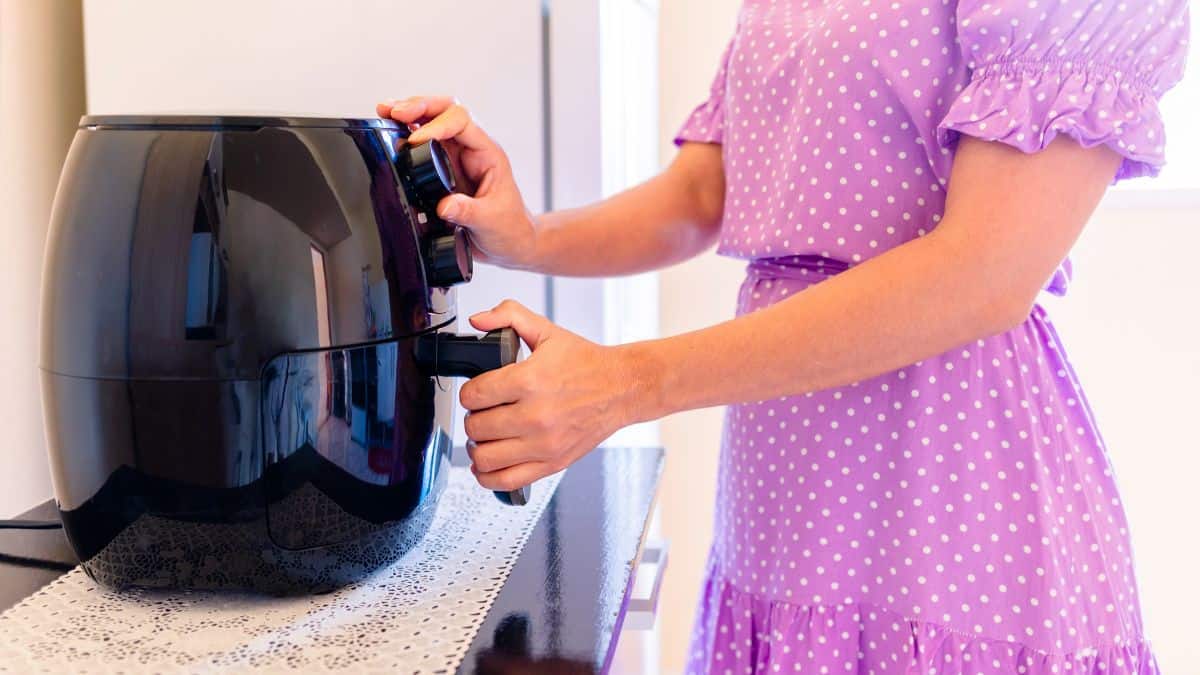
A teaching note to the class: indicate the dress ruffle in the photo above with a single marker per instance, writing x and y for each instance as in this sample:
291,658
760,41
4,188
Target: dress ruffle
1027,103
738,632
706,124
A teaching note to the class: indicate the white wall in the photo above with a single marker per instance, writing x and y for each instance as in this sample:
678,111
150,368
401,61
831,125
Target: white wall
1130,324
698,293
41,99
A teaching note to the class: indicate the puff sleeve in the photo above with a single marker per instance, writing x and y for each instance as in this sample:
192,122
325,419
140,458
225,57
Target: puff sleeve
706,124
1093,70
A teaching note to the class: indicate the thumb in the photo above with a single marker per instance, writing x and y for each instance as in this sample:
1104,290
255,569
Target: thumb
532,327
465,210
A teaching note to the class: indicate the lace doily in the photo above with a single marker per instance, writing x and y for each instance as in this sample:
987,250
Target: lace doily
418,615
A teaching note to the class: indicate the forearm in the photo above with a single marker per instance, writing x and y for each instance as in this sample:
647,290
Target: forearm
667,219
896,309
1010,220
635,231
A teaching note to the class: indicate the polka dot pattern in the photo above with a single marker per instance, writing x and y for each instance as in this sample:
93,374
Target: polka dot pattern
838,118
966,498
958,515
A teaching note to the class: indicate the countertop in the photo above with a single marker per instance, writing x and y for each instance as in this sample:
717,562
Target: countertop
562,606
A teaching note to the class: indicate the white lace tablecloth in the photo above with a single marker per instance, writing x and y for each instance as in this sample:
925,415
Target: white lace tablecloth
418,615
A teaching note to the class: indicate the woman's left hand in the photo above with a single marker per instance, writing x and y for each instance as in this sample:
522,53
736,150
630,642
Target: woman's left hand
536,417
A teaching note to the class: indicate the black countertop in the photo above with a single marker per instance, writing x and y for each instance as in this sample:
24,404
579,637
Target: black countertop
561,609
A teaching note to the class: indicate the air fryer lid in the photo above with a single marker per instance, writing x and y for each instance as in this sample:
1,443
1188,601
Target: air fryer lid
225,121
213,250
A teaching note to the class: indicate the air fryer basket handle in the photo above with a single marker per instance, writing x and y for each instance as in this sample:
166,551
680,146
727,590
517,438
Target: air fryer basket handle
468,355
451,355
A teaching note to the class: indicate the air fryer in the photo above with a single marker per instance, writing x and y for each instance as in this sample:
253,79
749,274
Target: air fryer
248,348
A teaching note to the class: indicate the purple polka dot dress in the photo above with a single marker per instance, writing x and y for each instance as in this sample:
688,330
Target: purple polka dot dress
958,515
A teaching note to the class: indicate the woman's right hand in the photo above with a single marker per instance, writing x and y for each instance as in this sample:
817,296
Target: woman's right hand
501,227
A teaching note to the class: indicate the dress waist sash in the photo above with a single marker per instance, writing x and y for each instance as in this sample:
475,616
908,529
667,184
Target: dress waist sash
814,268
811,268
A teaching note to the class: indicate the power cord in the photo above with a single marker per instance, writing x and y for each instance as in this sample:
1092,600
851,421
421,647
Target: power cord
30,524
37,563
25,561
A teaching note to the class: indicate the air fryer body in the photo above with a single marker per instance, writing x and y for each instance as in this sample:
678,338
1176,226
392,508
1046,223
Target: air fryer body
230,310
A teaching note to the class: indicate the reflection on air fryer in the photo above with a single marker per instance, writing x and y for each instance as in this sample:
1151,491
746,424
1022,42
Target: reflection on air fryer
240,356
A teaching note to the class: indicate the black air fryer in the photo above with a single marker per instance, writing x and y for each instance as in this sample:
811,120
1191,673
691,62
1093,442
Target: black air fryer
244,324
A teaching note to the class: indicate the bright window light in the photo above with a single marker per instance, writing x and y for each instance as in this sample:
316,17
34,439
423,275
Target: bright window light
1179,107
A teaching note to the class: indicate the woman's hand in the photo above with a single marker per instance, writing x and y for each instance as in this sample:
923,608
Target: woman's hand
536,417
501,227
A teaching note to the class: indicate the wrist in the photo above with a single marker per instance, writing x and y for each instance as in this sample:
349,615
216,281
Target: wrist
642,379
533,254
513,246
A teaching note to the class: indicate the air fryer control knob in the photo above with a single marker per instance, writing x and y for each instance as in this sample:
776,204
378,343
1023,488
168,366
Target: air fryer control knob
448,259
429,173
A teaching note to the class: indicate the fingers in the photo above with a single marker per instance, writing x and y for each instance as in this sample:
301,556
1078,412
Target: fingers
440,117
496,387
465,210
493,456
496,423
415,109
455,122
533,328
513,477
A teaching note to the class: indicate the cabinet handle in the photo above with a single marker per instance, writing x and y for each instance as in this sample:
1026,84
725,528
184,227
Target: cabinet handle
642,610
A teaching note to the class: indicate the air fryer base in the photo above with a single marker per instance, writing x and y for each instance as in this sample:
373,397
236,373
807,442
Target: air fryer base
161,552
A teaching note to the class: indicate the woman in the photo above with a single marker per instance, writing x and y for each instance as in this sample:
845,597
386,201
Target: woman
911,478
